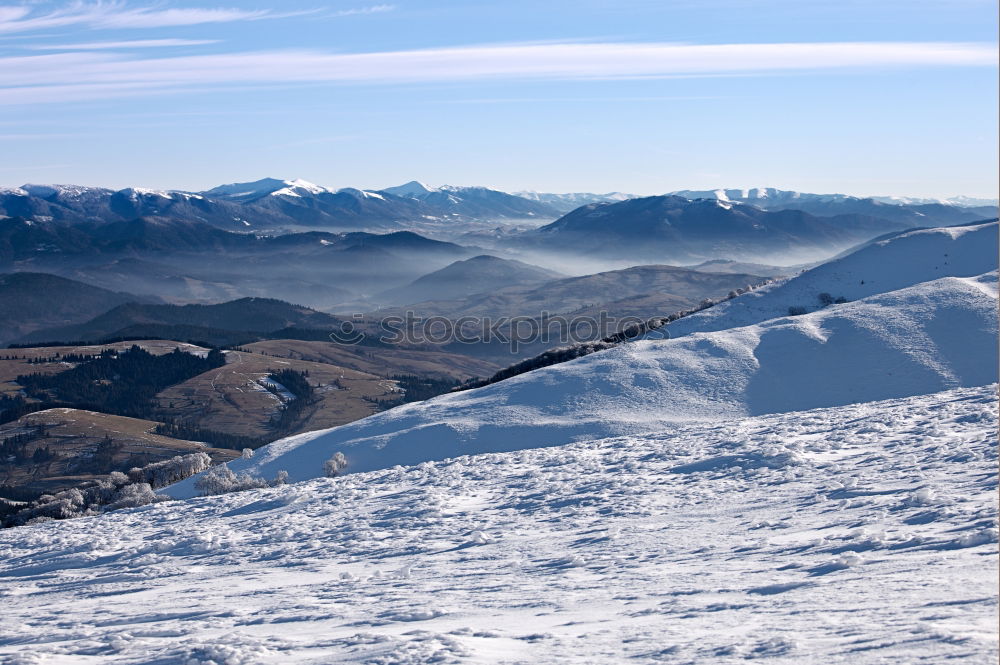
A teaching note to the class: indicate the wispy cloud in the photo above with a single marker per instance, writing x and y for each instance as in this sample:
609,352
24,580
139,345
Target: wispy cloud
374,9
96,74
118,14
131,44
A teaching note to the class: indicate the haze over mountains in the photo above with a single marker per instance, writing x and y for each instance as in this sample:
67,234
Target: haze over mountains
273,203
658,288
471,276
296,241
686,230
33,301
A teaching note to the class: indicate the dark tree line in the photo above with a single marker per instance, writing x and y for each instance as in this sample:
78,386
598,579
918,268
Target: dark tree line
14,407
418,388
71,357
296,382
15,447
120,383
213,438
298,385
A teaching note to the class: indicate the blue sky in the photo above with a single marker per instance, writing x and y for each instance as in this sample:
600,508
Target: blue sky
642,96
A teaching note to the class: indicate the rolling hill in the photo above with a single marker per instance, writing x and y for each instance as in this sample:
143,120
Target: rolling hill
251,315
664,289
32,301
894,262
464,278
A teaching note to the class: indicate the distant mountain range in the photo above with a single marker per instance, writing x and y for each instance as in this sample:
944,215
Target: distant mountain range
770,198
272,203
474,202
903,213
296,241
185,261
567,202
680,229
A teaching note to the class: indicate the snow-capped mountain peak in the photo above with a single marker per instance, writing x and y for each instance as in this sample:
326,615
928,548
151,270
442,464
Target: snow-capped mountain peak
960,201
754,195
299,187
571,201
61,191
412,189
361,193
249,191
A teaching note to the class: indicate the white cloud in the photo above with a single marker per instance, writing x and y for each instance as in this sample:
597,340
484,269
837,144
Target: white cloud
117,14
374,9
135,43
91,75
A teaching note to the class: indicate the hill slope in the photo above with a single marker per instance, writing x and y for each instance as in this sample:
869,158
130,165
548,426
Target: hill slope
926,338
30,301
894,262
663,289
462,278
857,535
245,314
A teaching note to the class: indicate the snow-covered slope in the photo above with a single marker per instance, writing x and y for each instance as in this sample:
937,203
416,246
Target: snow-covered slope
929,337
961,201
567,202
757,195
249,191
850,536
884,265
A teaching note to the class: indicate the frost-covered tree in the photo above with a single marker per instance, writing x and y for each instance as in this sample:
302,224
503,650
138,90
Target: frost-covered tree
333,466
223,480
175,469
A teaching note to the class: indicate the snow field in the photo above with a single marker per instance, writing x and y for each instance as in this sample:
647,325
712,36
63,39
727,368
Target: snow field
859,534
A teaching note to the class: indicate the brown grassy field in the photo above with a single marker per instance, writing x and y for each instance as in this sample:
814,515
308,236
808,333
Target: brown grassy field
74,436
382,362
349,383
232,399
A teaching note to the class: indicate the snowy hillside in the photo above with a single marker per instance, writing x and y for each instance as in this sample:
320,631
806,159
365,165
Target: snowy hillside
884,265
923,339
857,535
